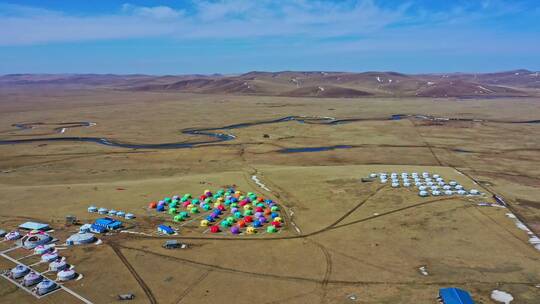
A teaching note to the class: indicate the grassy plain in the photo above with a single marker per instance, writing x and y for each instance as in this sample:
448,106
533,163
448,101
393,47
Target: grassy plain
355,238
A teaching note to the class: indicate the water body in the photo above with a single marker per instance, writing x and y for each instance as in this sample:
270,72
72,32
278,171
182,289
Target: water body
314,149
217,137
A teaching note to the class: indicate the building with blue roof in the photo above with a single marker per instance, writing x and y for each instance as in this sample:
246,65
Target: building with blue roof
165,229
98,229
454,295
108,223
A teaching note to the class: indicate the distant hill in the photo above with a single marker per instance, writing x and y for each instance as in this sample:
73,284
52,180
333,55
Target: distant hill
306,84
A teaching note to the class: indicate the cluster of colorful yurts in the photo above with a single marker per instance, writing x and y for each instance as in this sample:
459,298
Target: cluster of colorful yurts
225,210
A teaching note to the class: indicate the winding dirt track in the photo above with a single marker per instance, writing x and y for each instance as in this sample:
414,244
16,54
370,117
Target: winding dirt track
134,273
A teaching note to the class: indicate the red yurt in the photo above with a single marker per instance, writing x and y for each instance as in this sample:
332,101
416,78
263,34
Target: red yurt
214,229
248,219
152,205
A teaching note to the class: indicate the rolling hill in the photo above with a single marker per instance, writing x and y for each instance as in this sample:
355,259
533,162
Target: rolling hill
518,83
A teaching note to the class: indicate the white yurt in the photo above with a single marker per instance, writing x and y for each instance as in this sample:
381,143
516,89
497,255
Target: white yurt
92,209
58,265
66,275
49,257
423,193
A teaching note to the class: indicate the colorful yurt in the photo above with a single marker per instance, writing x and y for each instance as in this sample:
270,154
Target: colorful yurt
271,229
235,230
276,224
214,229
250,230
152,205
205,223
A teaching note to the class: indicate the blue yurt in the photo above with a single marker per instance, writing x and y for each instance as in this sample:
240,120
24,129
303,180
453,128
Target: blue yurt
45,286
19,271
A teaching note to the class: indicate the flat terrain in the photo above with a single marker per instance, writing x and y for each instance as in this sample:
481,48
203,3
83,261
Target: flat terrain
344,241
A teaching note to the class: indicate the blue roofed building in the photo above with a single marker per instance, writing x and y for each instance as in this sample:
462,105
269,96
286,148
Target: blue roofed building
454,295
108,223
98,229
165,229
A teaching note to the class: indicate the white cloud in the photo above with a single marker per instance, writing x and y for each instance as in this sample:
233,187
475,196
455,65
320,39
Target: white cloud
156,12
225,19
209,19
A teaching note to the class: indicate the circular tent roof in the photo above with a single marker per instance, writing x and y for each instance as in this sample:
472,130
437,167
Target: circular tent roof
32,278
57,265
37,239
19,271
41,249
92,209
48,257
81,238
67,274
45,286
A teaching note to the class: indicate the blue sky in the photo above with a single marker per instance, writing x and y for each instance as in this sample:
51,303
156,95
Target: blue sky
234,36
